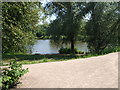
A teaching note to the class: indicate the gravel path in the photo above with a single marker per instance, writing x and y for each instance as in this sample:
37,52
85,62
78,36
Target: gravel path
94,72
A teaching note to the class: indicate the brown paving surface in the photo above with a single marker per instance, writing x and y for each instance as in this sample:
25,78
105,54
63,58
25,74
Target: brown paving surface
94,72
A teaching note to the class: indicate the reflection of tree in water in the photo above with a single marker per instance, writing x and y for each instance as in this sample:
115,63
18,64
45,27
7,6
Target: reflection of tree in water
29,49
82,46
50,47
59,44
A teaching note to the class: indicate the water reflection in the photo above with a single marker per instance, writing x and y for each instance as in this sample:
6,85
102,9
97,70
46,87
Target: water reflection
49,47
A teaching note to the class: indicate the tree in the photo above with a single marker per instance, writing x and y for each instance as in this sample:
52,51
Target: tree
102,27
67,25
19,21
41,31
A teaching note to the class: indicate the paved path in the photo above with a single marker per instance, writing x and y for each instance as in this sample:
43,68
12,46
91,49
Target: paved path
94,72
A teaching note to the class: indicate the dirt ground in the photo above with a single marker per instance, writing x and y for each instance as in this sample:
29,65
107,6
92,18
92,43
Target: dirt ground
94,72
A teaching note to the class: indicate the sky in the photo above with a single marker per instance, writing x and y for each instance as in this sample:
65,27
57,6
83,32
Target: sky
50,18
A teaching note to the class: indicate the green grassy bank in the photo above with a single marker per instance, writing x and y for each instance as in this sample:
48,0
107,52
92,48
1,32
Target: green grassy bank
32,59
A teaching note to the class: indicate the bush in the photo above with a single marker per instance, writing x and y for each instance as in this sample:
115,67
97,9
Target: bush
64,51
11,75
68,50
110,50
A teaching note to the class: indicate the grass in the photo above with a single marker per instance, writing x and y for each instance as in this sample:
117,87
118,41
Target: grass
32,59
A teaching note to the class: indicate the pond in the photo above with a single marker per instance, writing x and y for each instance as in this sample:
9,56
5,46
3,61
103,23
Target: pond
48,47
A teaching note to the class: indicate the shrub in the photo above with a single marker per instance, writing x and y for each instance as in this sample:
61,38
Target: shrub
64,51
11,75
68,50
110,50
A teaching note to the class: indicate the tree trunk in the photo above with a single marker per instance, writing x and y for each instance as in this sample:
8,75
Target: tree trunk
72,46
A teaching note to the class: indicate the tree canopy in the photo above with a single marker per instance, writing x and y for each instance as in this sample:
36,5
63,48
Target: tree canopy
19,20
102,24
102,28
21,24
66,27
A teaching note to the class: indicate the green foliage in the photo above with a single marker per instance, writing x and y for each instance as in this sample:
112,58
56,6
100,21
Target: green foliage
41,31
19,21
11,75
0,81
102,28
64,51
20,24
102,24
68,51
110,50
67,25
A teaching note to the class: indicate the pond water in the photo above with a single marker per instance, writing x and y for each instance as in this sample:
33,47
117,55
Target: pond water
48,47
